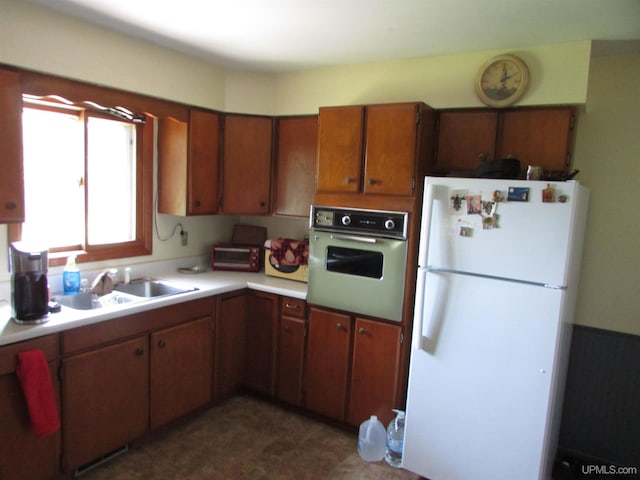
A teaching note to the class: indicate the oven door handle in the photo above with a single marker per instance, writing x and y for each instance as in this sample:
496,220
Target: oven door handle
354,238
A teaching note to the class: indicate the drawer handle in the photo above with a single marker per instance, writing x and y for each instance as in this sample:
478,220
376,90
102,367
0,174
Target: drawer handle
139,352
161,344
292,305
11,205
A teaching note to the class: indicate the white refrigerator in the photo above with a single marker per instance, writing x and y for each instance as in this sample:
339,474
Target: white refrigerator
495,299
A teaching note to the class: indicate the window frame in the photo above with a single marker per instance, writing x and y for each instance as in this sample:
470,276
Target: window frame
143,243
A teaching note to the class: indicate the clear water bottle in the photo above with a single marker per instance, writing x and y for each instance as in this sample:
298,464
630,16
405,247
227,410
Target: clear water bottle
371,440
395,440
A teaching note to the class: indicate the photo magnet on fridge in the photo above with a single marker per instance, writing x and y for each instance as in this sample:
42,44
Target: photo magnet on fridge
518,194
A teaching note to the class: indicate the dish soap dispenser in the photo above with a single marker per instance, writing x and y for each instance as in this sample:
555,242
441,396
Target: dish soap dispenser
71,277
395,440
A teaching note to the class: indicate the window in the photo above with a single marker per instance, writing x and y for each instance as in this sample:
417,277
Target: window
87,181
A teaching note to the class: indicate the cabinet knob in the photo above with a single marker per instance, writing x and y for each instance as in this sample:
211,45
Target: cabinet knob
161,344
10,205
197,203
362,331
263,204
339,326
373,181
139,352
286,328
349,180
482,157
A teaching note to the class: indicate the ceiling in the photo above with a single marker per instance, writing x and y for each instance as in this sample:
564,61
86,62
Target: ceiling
286,35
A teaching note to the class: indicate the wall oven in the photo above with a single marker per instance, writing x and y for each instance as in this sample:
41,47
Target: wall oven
357,260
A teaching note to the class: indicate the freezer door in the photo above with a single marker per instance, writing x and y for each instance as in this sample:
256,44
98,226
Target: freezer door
531,241
481,382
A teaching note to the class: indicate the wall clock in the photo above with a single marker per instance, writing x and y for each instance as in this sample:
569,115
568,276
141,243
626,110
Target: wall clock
502,81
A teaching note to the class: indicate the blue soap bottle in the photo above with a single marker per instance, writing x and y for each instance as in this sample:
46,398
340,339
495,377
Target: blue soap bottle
71,277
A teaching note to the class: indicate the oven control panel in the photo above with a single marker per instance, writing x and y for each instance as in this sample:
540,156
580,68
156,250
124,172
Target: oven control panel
359,221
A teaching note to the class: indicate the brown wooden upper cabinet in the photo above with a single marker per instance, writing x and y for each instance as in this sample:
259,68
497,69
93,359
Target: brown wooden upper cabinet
188,164
297,145
246,165
11,180
540,136
374,149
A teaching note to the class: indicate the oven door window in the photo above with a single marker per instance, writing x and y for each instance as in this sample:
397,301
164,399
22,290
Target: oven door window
351,261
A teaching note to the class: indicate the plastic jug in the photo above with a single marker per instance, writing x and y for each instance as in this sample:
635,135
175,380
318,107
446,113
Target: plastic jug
395,440
371,440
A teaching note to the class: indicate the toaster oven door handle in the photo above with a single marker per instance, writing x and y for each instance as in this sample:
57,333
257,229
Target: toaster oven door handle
354,238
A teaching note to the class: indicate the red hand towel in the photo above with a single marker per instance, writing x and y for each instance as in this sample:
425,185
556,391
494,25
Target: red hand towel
34,376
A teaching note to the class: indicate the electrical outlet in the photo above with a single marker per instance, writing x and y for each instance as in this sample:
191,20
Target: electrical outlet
185,238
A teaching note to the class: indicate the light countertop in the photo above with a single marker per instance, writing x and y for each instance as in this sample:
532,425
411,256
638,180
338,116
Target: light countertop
208,283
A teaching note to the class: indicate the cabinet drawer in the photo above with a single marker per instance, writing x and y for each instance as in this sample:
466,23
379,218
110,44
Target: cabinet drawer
9,353
128,326
293,307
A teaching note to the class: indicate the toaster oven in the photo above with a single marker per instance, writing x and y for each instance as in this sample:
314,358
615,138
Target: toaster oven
244,258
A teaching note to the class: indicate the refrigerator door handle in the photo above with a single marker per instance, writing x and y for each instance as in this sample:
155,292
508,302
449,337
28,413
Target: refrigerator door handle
429,310
418,313
425,227
427,314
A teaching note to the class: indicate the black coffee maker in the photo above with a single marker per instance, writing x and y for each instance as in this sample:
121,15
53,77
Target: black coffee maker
29,285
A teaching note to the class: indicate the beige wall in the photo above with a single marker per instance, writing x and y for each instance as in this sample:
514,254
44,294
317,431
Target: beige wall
558,76
37,38
608,156
607,150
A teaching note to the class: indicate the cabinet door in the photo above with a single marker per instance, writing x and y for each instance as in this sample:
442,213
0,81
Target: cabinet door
181,370
23,455
374,374
340,132
465,139
327,363
538,136
105,400
246,187
172,166
188,164
262,319
390,155
230,342
297,147
12,178
290,360
204,148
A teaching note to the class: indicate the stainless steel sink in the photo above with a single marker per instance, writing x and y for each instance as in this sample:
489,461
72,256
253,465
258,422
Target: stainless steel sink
149,288
91,301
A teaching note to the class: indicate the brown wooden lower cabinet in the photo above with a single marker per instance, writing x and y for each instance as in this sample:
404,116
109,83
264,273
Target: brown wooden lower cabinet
352,367
327,363
126,376
374,371
23,455
230,343
260,342
106,400
181,370
291,352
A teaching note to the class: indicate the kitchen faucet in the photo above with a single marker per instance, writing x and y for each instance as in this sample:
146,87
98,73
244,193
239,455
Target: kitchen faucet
103,283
